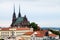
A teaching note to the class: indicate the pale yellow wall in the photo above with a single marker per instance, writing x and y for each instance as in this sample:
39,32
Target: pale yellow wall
16,32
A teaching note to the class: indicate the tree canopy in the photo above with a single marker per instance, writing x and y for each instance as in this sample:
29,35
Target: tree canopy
34,26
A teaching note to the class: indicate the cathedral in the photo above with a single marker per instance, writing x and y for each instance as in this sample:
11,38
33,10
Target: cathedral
19,21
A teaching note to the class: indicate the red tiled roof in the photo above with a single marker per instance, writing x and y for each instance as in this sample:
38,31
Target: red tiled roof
22,28
28,33
52,35
40,33
6,29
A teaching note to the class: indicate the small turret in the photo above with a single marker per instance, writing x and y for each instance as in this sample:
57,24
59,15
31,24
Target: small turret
25,17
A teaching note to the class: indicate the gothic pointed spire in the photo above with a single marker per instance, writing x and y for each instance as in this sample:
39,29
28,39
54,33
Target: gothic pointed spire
14,8
14,15
19,15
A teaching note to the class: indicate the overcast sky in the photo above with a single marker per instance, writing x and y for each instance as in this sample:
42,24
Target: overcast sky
46,13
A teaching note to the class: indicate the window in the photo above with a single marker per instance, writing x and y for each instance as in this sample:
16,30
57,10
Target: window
4,33
18,33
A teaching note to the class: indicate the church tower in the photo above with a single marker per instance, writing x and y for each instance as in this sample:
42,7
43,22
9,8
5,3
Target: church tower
19,15
14,17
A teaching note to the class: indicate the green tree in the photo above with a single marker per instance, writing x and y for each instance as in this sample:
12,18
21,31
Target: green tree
34,26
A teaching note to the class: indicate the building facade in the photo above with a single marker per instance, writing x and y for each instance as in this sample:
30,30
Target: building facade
14,33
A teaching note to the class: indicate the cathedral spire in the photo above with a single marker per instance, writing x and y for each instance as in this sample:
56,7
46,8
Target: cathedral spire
19,15
14,17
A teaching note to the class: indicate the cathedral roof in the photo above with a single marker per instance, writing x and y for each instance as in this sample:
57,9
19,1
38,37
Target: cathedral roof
19,20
